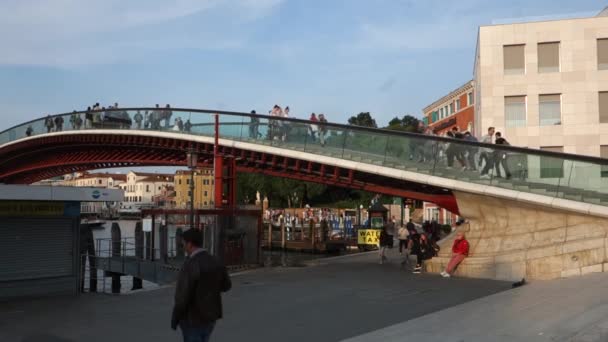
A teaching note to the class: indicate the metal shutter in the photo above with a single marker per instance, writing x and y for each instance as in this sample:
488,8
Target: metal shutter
36,248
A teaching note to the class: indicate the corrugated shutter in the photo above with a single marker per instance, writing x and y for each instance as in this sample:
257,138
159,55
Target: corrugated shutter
36,248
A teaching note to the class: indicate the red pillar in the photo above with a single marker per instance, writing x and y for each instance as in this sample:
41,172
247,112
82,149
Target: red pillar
218,171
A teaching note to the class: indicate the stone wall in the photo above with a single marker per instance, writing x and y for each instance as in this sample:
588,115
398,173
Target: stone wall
511,240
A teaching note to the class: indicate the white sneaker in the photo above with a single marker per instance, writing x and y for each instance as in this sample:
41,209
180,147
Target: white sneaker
446,275
443,273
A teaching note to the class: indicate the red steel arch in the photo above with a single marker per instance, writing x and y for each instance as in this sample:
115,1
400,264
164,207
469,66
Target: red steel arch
43,157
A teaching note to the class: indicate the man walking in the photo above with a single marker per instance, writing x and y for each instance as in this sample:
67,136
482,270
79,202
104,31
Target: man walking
500,156
198,301
486,154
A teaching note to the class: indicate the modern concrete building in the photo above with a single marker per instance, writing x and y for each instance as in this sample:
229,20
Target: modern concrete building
203,188
545,84
455,109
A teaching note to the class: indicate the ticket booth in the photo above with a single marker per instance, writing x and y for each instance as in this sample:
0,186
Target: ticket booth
368,238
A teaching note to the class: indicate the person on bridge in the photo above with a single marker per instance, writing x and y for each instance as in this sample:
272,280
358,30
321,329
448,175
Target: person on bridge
58,123
486,154
322,129
500,156
48,123
460,250
198,300
138,119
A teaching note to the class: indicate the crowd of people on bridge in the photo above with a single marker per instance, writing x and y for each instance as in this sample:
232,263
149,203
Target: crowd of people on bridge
468,156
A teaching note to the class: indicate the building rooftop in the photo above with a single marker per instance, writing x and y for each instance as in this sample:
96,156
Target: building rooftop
453,93
549,17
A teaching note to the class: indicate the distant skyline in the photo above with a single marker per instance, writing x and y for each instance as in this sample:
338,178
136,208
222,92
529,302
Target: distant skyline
339,57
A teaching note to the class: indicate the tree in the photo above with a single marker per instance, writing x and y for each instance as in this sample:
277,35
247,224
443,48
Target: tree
410,121
406,124
363,119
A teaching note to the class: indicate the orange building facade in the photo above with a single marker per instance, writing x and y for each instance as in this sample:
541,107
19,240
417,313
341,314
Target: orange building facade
453,110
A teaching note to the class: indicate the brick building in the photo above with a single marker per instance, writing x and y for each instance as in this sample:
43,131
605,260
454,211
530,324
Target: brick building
455,109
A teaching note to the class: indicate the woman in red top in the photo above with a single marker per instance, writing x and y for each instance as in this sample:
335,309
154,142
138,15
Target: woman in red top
460,250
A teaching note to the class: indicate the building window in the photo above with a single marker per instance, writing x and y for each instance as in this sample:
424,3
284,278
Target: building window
100,182
205,193
179,182
548,57
451,108
205,203
470,99
434,115
514,59
602,54
457,105
187,181
441,113
551,167
189,193
147,188
515,111
549,110
603,106
604,154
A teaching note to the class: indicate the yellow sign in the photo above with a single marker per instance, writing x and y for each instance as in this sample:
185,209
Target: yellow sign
368,237
31,208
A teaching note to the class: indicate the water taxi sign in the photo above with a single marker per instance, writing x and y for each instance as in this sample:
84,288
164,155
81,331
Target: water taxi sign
368,237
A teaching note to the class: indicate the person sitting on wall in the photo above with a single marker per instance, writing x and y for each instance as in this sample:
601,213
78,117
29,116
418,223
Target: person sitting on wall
460,250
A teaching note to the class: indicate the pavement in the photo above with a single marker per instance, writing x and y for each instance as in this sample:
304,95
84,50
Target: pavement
573,310
335,299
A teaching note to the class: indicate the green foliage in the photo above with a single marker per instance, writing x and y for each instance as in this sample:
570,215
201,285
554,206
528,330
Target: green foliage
446,229
363,119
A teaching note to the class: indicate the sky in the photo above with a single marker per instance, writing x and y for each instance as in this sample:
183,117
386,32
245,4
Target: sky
338,57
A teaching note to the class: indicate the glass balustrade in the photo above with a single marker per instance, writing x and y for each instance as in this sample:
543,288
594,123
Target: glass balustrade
558,175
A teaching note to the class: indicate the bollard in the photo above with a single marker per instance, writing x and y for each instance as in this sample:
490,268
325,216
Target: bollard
139,253
270,235
116,244
164,243
283,241
179,246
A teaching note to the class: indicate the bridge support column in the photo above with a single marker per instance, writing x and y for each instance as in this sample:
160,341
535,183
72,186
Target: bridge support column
116,253
510,240
139,253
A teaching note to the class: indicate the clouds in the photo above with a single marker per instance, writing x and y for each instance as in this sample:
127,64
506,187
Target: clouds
68,33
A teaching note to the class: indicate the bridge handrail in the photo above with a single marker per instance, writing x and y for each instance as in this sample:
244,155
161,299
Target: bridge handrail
547,173
508,148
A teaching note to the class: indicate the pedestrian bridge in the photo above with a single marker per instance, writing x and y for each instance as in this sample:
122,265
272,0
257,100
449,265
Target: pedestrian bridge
548,220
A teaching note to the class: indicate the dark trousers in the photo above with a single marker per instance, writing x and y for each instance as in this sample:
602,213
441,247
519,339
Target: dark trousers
471,159
501,160
402,245
489,159
198,333
454,152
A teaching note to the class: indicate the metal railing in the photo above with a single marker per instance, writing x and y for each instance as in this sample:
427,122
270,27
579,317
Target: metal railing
559,175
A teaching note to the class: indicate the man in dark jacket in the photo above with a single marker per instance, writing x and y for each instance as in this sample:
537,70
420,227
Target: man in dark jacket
500,156
198,301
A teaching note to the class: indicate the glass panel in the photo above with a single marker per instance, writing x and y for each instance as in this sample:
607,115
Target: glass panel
549,108
604,154
365,146
548,57
515,111
514,60
602,54
603,106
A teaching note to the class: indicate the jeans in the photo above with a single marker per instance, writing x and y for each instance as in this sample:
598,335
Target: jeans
197,334
454,261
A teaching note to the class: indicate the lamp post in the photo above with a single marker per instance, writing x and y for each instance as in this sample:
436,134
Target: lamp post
360,213
192,159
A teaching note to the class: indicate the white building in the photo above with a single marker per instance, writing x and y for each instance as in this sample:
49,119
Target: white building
544,84
140,188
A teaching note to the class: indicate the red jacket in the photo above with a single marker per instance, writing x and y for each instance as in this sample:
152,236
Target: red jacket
461,247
